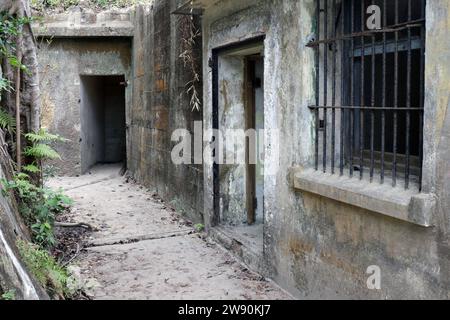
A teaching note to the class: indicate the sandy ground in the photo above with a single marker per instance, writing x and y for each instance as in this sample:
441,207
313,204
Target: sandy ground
144,250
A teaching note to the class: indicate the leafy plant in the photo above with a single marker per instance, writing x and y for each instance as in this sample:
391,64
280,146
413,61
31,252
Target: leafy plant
199,227
7,122
10,27
40,150
38,206
56,201
5,85
31,168
49,171
44,268
43,136
8,295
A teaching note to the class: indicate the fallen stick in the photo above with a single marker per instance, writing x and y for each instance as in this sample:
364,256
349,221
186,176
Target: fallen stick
73,257
75,225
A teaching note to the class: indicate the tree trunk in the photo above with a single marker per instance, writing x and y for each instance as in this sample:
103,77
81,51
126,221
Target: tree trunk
31,80
30,95
18,129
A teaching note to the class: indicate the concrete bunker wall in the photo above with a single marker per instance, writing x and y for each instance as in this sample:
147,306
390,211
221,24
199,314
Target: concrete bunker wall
314,246
143,44
63,63
161,106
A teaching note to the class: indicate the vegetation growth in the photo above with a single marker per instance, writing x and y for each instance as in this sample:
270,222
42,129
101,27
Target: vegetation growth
8,295
42,5
45,269
38,205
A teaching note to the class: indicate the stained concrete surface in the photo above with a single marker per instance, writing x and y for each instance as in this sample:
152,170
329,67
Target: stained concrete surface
145,250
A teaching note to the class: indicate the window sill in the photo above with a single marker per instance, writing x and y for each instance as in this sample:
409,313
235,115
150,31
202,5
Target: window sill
406,205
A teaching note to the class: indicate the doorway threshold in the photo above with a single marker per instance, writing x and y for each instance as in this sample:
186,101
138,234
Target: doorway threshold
243,242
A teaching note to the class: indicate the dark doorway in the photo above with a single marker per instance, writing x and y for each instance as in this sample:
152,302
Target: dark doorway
103,129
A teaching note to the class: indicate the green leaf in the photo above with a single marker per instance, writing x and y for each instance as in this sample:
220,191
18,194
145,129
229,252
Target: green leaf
9,295
22,176
44,136
7,122
31,168
5,85
41,151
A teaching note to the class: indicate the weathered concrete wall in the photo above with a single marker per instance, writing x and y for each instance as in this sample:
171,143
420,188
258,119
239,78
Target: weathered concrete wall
314,246
143,44
62,62
232,117
92,126
161,106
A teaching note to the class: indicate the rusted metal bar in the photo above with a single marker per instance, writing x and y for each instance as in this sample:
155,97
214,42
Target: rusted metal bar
362,96
369,33
395,127
333,94
317,87
408,103
383,102
343,91
352,90
372,113
422,92
325,86
375,108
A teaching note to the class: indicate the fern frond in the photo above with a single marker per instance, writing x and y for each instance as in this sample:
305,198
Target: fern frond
21,176
41,151
43,136
31,168
5,85
7,121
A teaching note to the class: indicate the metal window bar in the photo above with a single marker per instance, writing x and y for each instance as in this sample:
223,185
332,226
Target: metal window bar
379,113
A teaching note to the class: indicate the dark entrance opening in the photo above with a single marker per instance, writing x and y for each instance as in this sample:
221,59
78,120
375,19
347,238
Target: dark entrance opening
103,129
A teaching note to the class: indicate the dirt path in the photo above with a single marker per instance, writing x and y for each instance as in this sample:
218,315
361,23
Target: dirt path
144,250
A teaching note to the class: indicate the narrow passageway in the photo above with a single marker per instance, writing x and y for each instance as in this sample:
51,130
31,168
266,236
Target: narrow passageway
143,249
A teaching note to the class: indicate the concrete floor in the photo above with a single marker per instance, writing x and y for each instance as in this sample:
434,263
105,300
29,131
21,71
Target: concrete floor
145,250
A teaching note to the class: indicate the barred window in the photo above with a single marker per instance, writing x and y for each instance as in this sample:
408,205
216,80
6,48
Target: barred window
370,89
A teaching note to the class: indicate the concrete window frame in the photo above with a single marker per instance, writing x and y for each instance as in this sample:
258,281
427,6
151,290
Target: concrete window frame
407,205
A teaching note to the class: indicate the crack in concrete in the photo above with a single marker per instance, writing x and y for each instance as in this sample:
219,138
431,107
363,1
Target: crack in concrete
128,240
89,184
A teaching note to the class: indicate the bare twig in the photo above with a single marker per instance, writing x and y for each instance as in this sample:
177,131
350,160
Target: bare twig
77,253
75,225
190,33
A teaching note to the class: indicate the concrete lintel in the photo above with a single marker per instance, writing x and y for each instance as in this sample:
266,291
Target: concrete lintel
83,31
406,205
74,24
